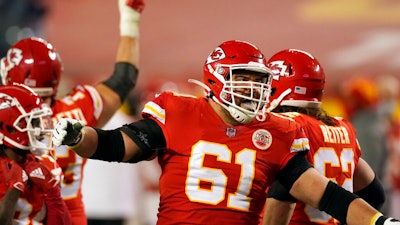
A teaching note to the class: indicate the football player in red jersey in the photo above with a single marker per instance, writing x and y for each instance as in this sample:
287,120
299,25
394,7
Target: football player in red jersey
35,63
298,88
29,183
219,153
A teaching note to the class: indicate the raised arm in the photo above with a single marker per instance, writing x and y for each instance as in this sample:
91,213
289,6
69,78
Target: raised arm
114,90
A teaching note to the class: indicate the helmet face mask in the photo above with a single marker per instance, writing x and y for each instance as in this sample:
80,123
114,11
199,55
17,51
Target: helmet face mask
26,121
299,79
243,98
246,91
34,63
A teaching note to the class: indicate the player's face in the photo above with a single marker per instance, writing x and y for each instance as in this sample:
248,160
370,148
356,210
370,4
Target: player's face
244,83
47,99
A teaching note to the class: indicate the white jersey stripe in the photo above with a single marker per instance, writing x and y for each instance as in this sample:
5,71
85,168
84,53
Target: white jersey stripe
156,111
299,145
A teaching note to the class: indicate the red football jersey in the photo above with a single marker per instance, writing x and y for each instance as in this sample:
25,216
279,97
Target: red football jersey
30,208
83,103
213,173
334,152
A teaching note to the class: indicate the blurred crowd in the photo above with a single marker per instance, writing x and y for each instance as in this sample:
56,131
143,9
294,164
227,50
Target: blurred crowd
372,104
20,19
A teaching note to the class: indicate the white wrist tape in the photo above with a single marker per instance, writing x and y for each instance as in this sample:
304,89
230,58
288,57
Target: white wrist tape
129,20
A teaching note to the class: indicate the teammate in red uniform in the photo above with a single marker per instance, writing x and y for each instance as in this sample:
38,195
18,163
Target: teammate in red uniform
35,63
334,151
219,153
29,184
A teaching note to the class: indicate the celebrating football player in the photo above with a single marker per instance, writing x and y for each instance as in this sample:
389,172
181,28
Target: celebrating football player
35,63
298,88
29,184
219,153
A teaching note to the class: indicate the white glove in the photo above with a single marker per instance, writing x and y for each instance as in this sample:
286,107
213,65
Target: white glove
130,17
379,219
67,132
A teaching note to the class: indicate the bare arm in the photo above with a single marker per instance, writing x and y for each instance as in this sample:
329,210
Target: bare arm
277,212
368,186
16,178
7,205
310,188
128,52
363,175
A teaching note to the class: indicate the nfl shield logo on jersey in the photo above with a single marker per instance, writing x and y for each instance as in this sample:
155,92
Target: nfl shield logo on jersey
230,132
262,139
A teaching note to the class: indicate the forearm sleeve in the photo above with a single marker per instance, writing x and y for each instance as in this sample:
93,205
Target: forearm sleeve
123,80
277,191
292,171
373,194
336,201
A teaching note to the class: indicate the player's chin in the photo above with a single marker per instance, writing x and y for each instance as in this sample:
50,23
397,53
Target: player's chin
248,105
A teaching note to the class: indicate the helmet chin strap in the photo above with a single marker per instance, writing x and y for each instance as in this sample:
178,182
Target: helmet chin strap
239,116
278,100
201,84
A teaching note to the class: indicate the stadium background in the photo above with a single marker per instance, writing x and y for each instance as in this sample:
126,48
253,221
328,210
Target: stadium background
350,38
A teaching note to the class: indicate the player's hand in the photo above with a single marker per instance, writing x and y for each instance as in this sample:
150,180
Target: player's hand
137,5
14,175
129,12
380,219
43,171
67,132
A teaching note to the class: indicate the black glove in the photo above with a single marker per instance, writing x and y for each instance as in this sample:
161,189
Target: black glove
67,132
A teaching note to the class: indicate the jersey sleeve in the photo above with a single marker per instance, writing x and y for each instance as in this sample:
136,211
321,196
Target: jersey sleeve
155,108
83,103
299,143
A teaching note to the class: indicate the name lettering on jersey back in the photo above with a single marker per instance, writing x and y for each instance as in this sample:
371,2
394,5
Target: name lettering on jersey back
72,114
335,134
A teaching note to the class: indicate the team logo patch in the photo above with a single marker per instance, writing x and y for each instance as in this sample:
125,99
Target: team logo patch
262,139
216,55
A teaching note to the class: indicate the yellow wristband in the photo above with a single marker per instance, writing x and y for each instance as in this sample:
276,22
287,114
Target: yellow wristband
375,218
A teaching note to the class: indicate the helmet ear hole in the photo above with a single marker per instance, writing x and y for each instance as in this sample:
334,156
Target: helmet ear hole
10,129
273,90
290,69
